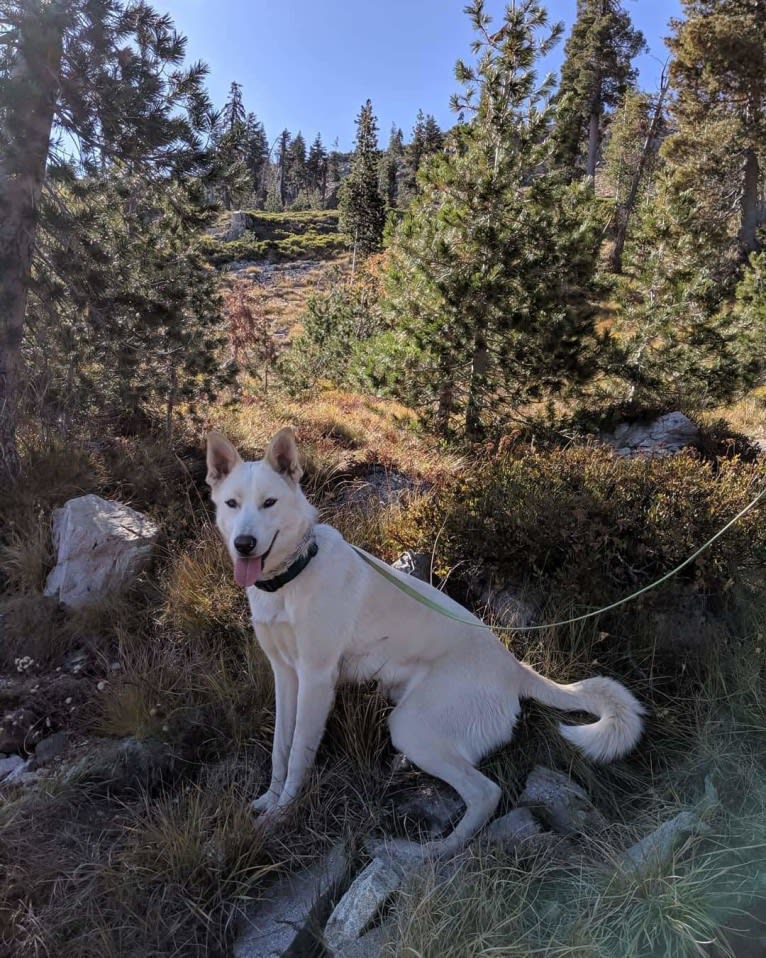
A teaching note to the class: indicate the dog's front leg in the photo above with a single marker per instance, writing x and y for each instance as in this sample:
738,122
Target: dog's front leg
286,701
316,691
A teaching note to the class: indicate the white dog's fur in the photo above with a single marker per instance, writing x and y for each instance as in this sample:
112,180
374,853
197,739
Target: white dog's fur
455,687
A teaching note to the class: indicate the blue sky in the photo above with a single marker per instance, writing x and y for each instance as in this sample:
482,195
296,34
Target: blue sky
309,64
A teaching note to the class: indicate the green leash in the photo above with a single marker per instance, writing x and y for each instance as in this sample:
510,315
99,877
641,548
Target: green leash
382,569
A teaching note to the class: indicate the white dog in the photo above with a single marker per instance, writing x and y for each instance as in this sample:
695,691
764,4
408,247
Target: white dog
323,615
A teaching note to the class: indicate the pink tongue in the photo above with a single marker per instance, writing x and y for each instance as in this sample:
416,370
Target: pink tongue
246,571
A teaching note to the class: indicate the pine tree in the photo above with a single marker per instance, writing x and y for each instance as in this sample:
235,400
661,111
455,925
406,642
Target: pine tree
106,76
256,156
234,109
489,265
718,82
124,311
390,167
295,172
677,345
595,75
282,167
231,167
316,168
630,158
362,208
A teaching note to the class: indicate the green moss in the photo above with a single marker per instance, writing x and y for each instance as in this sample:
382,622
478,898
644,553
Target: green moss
275,237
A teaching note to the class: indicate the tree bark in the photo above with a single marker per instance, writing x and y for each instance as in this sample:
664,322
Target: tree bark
593,142
748,236
34,85
626,211
479,367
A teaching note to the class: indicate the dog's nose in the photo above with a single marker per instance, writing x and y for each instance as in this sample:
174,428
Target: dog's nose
244,544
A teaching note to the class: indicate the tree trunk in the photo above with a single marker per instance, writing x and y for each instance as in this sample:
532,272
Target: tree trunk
25,145
479,367
594,126
626,211
748,238
446,407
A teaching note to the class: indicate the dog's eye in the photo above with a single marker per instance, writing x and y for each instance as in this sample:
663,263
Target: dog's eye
269,503
231,503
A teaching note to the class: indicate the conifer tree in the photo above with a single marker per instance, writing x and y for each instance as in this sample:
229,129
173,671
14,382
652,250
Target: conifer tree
718,107
256,155
595,75
316,168
295,173
124,313
489,265
106,76
362,208
282,167
239,152
390,167
630,158
234,109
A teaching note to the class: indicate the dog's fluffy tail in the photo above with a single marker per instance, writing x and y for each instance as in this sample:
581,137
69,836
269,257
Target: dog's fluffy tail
619,713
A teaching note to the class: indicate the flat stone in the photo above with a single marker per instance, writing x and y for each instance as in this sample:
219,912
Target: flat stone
656,849
282,924
560,803
357,909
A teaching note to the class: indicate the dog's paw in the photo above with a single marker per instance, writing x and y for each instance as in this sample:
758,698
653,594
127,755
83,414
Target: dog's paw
264,803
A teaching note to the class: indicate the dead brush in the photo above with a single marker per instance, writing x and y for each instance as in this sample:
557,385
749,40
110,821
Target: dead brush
186,863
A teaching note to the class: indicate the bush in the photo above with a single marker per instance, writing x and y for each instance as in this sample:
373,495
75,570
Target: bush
594,527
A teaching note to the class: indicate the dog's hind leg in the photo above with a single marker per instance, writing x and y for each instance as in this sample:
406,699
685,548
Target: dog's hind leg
414,734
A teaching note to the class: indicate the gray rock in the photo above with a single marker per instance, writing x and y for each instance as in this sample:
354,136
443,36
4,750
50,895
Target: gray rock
560,803
417,564
516,827
20,774
281,924
357,909
101,548
50,747
237,226
9,765
430,805
656,849
380,487
368,946
508,608
663,436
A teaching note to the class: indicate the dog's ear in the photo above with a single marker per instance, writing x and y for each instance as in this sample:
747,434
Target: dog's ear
282,455
222,457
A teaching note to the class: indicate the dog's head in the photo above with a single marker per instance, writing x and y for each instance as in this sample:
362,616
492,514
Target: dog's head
261,511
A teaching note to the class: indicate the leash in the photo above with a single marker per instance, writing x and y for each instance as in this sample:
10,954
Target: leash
382,569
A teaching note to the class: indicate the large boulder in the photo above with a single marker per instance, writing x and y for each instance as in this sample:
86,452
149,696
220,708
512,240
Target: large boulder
664,436
101,547
237,226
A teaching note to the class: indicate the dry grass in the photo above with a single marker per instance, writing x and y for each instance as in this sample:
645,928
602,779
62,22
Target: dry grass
146,846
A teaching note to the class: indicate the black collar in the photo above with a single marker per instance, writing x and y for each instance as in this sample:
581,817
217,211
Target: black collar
277,581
